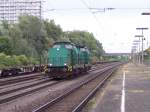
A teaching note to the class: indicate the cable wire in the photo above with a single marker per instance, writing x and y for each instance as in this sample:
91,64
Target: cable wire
89,8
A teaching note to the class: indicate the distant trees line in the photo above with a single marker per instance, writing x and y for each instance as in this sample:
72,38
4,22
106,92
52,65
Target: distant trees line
27,41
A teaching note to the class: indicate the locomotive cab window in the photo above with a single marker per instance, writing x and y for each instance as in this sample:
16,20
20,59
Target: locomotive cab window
68,46
82,49
56,46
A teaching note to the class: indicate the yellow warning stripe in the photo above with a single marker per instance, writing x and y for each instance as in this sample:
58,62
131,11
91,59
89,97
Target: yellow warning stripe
70,68
45,69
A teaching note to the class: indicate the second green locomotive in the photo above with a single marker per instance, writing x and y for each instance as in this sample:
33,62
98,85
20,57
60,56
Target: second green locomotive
66,59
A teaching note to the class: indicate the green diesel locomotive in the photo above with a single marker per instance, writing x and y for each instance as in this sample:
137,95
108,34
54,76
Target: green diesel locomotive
66,59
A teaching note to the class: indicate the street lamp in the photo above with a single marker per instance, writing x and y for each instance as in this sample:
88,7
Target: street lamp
139,57
137,43
134,57
142,39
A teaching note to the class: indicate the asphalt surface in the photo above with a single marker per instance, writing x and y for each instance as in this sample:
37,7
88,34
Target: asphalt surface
127,91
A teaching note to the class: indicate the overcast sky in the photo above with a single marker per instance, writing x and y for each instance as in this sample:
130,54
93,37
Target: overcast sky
115,29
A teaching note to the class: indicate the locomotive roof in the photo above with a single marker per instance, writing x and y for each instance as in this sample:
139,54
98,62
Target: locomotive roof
63,43
66,42
81,46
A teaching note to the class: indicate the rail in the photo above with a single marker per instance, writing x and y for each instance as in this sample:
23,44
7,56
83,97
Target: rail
66,93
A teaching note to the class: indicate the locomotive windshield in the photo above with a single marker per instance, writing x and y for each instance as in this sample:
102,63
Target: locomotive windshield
82,49
68,46
56,46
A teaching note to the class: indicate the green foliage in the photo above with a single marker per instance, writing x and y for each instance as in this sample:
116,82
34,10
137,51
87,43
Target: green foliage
4,28
33,31
28,40
15,61
87,39
5,45
7,61
22,59
115,58
53,31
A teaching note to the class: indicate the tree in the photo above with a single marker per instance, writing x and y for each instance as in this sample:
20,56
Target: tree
5,45
33,31
53,31
31,37
5,28
87,39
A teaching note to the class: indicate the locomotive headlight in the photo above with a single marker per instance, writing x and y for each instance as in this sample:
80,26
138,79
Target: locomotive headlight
65,64
50,64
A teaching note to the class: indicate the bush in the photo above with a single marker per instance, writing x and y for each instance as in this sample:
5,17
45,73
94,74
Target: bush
23,59
6,45
15,61
3,60
94,59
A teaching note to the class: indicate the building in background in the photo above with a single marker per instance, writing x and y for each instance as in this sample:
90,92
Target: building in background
10,10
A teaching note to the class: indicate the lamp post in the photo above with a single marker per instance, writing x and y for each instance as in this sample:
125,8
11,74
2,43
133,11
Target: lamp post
134,48
142,40
139,56
135,53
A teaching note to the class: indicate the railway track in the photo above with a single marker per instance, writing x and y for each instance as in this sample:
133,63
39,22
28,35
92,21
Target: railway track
14,91
36,76
81,105
18,87
17,79
76,96
10,94
19,83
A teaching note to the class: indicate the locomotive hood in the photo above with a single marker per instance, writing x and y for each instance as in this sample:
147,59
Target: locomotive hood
58,57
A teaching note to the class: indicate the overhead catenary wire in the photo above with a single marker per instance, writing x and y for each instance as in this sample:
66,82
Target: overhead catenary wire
89,8
93,9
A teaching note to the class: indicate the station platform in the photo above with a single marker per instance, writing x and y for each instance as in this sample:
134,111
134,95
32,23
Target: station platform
127,91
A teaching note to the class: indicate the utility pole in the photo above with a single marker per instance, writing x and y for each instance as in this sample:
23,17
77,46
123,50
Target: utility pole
134,54
139,56
142,41
136,50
